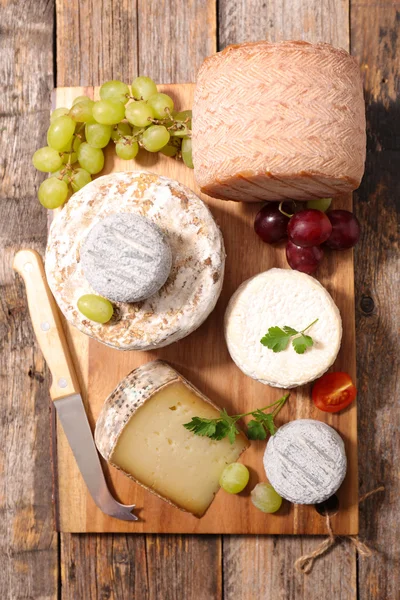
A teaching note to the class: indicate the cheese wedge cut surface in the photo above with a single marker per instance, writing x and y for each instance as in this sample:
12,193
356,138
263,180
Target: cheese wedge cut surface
305,461
282,297
140,431
273,121
193,286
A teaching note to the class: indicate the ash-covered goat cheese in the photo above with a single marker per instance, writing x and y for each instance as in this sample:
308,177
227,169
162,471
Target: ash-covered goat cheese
126,258
305,461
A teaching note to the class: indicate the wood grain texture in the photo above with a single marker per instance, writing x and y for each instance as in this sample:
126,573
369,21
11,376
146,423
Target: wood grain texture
215,374
375,29
312,21
28,543
251,20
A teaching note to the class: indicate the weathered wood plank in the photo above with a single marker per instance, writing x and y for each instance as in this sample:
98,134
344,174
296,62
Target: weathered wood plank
309,20
28,543
172,40
251,20
375,28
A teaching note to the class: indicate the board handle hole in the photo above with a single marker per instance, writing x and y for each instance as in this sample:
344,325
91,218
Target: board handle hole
329,507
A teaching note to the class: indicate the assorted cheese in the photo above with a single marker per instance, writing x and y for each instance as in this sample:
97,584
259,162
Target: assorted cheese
305,461
126,258
285,120
281,297
198,258
140,431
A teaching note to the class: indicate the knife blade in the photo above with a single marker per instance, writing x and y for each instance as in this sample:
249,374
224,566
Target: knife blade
64,389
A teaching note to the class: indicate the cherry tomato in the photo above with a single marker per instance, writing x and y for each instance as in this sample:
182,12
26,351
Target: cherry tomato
333,392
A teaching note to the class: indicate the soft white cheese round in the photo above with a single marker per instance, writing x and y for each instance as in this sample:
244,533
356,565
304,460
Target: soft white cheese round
198,258
282,297
305,461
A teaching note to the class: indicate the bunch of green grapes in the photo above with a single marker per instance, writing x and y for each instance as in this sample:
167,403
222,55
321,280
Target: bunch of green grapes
132,117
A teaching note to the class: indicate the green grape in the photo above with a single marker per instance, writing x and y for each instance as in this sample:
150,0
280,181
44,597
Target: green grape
139,113
97,135
187,152
120,130
62,174
323,204
170,150
143,88
91,159
59,112
81,99
265,498
60,132
234,478
47,159
155,137
70,151
82,112
160,103
185,117
108,112
127,148
115,90
80,178
96,308
52,192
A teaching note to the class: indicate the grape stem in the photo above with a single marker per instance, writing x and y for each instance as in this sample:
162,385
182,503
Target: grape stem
283,212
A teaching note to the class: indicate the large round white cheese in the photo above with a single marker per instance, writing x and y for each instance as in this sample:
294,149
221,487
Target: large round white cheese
198,257
305,461
282,297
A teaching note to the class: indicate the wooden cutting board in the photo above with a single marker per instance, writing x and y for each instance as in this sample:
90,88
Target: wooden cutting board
203,358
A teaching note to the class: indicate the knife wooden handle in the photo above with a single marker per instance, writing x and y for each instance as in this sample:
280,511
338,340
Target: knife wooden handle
46,323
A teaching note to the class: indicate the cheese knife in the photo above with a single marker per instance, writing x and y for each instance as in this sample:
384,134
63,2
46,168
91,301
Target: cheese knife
64,390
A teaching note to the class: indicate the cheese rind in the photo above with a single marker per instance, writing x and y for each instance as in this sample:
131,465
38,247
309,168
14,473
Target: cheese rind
273,121
140,431
282,297
305,461
126,258
198,259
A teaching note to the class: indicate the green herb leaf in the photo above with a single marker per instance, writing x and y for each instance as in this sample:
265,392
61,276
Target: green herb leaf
225,425
301,343
255,431
277,338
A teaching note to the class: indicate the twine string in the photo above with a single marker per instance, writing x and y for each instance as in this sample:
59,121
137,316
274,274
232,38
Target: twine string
304,564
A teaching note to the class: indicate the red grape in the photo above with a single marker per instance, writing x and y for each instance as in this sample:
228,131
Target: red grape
345,230
270,224
309,227
301,259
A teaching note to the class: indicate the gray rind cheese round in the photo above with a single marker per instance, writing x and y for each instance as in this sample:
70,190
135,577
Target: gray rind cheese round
198,259
305,461
126,258
282,297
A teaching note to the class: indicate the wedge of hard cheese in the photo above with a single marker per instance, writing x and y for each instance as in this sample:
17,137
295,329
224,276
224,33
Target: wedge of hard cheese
140,431
278,120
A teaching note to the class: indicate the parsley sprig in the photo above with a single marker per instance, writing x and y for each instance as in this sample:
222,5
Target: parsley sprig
277,338
225,425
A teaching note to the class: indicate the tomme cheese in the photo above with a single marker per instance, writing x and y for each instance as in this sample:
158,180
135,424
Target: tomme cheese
140,431
305,461
198,258
278,120
126,258
282,297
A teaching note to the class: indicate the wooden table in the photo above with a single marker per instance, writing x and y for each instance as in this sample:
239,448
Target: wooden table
83,42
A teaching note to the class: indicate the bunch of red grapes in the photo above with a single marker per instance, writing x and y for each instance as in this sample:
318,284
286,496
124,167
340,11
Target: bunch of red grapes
309,232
